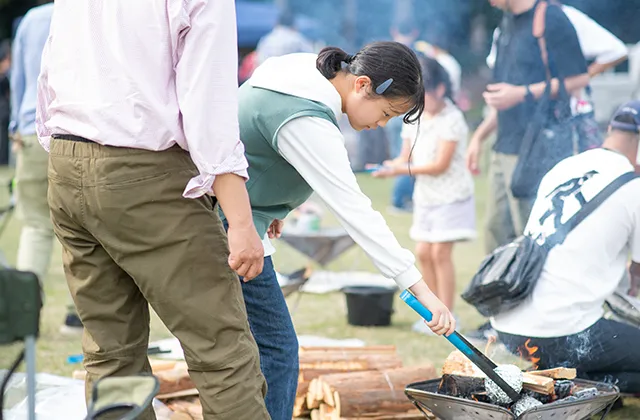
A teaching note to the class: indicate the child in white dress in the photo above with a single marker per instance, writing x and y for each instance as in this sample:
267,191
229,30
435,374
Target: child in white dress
443,199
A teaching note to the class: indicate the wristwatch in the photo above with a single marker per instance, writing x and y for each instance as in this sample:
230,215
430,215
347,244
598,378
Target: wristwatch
529,95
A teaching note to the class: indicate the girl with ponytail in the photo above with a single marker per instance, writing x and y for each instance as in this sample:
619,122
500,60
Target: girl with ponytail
288,114
443,204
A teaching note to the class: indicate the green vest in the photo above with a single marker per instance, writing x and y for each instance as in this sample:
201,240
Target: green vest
275,187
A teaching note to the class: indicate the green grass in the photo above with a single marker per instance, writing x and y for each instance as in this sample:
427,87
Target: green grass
323,315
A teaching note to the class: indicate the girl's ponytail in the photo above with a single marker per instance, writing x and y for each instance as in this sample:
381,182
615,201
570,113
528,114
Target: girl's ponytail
330,61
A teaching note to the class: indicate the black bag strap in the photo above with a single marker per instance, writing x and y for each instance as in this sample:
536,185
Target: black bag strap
560,235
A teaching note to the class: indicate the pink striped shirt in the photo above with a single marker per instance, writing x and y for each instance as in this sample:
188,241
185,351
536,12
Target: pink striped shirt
146,74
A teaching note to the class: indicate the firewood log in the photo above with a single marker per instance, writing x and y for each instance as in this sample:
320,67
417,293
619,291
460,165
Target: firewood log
556,373
368,393
300,405
351,350
348,361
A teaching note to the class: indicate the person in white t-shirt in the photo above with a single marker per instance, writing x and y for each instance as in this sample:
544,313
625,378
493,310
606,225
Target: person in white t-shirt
563,317
596,42
443,203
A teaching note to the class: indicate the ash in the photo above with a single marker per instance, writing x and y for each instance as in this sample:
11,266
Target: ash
525,403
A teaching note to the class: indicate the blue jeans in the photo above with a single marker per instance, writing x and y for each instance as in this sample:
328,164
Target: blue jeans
402,191
272,328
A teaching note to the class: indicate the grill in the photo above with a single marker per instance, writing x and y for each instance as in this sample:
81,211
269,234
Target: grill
424,396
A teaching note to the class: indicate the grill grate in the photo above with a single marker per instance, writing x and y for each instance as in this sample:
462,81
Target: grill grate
424,396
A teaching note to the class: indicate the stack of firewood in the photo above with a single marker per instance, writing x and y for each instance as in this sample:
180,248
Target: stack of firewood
333,383
357,382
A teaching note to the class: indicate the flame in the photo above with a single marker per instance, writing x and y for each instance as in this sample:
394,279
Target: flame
530,355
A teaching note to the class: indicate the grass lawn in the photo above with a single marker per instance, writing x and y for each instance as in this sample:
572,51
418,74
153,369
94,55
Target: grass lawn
323,315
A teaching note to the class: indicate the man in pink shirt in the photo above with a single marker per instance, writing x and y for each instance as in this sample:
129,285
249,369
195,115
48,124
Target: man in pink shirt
137,106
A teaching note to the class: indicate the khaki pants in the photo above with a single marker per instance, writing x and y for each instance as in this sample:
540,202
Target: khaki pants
36,238
130,239
506,215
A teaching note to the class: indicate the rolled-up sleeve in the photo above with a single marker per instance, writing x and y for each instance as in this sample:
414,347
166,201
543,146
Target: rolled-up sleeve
207,89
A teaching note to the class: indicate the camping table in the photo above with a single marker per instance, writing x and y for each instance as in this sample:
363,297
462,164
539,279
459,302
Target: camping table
322,246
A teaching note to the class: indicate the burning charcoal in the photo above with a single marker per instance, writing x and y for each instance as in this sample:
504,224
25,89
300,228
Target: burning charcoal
563,388
512,375
525,403
544,399
481,397
460,386
586,393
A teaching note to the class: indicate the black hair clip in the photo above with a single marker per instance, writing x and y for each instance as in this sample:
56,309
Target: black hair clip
384,86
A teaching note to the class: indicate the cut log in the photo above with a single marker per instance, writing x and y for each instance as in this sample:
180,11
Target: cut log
314,395
315,414
350,350
348,361
369,393
174,380
538,384
300,405
328,413
556,373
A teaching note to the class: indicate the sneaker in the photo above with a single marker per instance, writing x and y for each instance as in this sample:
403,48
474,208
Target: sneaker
483,332
72,325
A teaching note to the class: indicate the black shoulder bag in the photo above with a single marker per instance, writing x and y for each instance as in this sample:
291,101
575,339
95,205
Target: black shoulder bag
508,275
550,135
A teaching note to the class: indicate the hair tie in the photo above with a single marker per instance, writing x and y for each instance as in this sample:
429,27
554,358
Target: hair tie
382,88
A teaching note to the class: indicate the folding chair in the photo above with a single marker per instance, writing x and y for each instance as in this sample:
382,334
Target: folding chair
122,398
20,305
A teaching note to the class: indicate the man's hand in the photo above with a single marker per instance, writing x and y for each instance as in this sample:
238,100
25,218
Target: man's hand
246,251
275,230
503,96
443,322
473,155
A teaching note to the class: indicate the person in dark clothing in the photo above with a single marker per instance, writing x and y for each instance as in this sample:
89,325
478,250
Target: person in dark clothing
519,82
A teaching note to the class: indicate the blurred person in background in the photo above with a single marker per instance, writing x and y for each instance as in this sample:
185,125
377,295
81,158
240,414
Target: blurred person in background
289,111
283,39
37,238
5,107
598,45
519,81
443,204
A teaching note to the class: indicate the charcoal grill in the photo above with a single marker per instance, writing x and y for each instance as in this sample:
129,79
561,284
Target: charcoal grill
424,396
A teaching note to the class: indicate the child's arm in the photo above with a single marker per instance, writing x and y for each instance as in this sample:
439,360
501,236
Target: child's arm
446,150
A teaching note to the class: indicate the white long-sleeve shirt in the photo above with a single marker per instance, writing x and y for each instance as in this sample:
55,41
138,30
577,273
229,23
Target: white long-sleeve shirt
596,42
316,149
146,74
